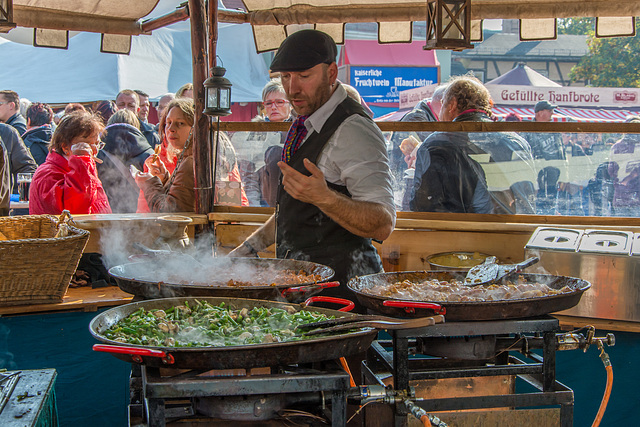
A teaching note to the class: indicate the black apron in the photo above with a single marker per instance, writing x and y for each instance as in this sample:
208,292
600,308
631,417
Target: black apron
304,232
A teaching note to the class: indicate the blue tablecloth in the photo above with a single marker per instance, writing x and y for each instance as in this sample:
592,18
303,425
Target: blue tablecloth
92,388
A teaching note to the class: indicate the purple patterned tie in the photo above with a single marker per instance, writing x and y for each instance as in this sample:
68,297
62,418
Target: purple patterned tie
296,135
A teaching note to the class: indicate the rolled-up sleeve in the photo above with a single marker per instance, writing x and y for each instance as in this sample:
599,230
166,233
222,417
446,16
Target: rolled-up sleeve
356,157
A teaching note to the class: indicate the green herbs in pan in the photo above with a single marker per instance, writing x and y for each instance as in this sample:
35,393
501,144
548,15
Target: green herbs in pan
201,324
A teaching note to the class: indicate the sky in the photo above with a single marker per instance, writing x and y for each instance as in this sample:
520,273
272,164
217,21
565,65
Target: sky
492,24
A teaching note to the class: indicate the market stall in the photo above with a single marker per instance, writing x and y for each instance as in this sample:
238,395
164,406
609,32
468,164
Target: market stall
316,383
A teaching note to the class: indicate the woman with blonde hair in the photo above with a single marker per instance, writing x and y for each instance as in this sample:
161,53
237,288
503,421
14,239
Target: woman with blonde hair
166,191
185,91
174,191
167,154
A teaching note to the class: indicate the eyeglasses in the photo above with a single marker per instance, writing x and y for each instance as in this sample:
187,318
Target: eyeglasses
99,144
278,102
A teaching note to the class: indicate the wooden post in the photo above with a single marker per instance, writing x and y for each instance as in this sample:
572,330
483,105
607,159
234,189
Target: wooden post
212,13
213,33
203,157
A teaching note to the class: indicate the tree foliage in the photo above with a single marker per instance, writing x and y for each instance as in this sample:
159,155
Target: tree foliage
611,62
576,26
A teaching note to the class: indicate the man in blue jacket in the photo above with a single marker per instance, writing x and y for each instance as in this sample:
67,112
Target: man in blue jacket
130,100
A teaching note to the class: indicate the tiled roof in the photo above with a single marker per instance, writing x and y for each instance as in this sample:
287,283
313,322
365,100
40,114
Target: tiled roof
510,45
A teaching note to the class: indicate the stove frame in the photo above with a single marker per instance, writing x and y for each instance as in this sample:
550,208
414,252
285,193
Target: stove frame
155,393
540,373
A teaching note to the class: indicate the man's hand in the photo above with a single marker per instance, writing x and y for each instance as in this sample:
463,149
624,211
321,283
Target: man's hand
308,189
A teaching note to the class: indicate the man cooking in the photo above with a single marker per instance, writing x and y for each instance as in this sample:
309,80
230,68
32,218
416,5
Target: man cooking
335,193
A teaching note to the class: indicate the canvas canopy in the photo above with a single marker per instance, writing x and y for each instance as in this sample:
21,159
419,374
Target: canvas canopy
103,16
157,64
272,19
524,76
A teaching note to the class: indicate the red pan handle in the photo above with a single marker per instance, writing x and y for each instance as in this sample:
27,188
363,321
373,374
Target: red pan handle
410,306
349,305
308,288
136,352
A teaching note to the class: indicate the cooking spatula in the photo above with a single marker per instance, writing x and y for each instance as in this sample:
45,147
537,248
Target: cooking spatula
490,272
419,322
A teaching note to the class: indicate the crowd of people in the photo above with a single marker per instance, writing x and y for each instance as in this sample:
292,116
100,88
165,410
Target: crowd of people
440,171
104,158
108,157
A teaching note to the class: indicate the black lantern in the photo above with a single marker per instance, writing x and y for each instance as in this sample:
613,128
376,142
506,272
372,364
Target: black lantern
6,16
218,93
449,24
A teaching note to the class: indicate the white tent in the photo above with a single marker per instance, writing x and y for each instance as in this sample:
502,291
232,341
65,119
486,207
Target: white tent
157,64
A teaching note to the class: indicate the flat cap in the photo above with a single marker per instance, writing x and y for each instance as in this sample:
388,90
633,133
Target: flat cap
304,49
544,105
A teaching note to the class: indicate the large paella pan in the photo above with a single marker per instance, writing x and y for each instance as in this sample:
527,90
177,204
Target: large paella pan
259,278
372,291
311,349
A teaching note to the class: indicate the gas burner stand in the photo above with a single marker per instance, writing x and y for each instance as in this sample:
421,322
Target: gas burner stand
157,398
392,357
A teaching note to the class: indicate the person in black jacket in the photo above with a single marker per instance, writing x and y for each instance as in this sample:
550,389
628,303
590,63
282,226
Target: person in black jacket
129,99
10,111
124,146
37,138
5,181
20,159
446,178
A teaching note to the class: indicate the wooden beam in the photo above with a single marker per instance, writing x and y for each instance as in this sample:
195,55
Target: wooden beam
29,17
560,127
575,322
405,11
178,15
456,221
202,156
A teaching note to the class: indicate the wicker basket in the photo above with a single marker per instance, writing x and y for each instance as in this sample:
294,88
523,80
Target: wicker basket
38,256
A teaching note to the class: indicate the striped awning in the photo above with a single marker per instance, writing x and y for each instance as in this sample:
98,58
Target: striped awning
569,114
527,114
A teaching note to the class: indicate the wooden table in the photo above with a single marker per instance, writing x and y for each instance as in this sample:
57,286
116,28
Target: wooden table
76,299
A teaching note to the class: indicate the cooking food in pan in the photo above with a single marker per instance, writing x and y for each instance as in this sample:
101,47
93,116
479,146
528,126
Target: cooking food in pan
307,350
260,277
455,291
466,310
201,324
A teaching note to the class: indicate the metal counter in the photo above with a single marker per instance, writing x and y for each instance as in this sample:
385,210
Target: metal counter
607,259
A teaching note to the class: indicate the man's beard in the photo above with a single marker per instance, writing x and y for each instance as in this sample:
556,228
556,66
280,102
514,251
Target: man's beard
319,97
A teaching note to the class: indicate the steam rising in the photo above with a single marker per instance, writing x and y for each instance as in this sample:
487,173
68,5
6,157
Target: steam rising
117,246
194,265
182,269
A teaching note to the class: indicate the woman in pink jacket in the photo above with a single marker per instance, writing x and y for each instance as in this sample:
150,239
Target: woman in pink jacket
68,178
